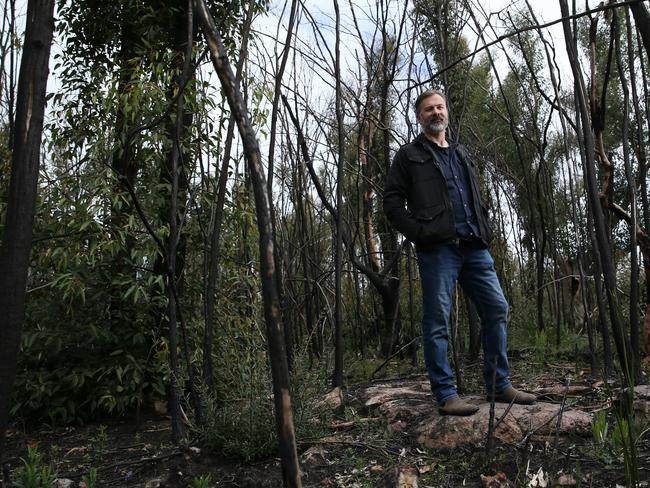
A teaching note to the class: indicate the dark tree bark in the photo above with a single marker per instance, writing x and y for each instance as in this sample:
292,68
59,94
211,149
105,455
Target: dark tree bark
588,139
634,257
21,202
474,330
413,348
272,310
642,21
337,378
271,160
175,175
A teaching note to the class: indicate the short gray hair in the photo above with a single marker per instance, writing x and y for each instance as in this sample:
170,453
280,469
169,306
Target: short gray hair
426,94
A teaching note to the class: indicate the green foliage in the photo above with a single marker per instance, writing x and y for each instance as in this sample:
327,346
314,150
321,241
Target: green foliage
201,481
33,473
617,444
239,411
540,344
240,427
91,478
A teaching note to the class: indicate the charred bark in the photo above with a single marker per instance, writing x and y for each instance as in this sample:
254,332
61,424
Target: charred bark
272,309
642,21
16,244
602,240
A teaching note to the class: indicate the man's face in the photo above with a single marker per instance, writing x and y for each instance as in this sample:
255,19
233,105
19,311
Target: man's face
432,115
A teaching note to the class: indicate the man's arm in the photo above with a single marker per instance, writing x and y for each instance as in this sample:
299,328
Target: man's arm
395,193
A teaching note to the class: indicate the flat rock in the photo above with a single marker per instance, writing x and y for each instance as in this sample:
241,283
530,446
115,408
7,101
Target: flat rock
409,407
375,396
333,400
642,399
642,392
446,432
154,483
315,456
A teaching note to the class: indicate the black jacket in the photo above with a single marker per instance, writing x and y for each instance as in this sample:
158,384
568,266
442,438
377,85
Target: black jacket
416,199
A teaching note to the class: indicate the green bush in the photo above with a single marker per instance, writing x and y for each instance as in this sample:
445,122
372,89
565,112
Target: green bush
239,411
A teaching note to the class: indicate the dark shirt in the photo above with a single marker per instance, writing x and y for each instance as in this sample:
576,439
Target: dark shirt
460,193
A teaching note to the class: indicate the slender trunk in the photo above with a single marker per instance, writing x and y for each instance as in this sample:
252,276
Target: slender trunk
413,348
175,174
271,160
642,21
337,379
454,342
474,330
606,261
634,257
216,220
272,310
16,244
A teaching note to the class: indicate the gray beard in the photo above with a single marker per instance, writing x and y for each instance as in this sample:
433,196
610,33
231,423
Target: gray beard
433,127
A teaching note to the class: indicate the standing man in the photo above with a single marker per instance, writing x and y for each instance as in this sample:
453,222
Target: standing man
432,197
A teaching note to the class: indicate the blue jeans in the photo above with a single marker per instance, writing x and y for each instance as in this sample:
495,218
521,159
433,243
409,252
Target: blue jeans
474,269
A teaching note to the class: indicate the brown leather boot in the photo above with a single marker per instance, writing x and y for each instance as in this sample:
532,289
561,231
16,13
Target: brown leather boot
456,406
510,394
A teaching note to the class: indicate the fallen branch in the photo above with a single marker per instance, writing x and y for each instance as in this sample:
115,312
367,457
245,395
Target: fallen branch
539,427
121,464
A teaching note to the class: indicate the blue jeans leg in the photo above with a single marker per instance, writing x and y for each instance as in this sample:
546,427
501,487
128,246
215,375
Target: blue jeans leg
479,281
439,270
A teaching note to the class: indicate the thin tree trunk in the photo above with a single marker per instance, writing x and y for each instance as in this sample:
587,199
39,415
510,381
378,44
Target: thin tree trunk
271,160
216,220
272,310
16,244
474,330
413,348
642,21
634,257
337,379
606,260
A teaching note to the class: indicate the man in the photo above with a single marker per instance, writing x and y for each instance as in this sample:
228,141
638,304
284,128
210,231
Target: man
432,197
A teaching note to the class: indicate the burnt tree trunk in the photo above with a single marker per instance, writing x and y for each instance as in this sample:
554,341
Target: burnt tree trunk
272,310
337,379
588,139
642,21
16,244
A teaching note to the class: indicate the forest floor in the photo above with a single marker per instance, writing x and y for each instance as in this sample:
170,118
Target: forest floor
365,445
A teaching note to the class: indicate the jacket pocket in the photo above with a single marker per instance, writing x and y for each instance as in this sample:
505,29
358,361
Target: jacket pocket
436,225
429,213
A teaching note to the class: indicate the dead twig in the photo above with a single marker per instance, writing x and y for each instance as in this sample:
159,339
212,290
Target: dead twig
491,427
539,427
559,417
503,416
363,445
121,464
382,365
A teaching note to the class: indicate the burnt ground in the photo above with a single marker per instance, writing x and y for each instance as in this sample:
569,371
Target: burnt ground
356,446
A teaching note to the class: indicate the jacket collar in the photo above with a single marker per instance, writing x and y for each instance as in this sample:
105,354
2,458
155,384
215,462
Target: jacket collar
422,139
